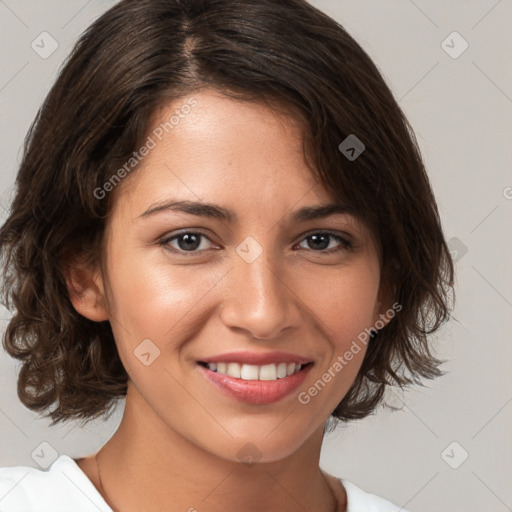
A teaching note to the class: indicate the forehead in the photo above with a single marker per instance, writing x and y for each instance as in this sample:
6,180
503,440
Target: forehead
223,145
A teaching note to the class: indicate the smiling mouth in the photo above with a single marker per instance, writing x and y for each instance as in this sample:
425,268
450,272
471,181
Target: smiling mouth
267,372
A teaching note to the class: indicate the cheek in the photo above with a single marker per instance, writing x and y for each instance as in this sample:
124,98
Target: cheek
152,300
346,304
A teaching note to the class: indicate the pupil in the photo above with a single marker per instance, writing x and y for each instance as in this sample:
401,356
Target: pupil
325,238
189,242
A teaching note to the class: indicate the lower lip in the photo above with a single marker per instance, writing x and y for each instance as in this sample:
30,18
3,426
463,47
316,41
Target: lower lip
256,391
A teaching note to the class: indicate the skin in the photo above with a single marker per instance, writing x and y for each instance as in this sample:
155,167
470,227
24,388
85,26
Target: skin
177,445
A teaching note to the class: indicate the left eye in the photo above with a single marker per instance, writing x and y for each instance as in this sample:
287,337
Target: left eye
190,242
321,240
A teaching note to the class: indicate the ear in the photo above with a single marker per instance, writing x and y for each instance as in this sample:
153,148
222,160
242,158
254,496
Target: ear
86,291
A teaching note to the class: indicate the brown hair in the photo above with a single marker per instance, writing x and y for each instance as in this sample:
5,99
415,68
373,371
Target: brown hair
142,54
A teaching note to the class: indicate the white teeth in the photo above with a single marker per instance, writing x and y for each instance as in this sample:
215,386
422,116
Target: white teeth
281,370
253,372
249,372
233,370
268,372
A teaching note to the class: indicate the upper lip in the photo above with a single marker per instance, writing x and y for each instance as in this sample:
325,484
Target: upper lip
256,358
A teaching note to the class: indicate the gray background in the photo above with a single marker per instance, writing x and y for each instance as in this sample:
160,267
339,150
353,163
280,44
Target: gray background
461,110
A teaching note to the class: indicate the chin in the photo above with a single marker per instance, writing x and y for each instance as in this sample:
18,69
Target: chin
258,447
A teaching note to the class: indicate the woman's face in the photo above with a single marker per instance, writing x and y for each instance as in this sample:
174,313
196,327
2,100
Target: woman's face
186,288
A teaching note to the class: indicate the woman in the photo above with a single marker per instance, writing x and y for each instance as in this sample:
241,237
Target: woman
222,215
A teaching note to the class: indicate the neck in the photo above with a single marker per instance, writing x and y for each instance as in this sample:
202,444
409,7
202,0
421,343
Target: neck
165,471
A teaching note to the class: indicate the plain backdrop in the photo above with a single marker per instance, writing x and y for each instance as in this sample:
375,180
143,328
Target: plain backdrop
448,447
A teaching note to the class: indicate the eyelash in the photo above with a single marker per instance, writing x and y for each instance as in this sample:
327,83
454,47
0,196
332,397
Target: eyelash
346,244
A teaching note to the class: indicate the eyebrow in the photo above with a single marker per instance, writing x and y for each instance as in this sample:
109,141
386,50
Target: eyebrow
217,212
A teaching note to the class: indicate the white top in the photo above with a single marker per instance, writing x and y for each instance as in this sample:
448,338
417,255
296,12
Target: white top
64,487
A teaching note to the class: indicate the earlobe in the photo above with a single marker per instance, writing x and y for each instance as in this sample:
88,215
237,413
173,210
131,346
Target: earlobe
86,292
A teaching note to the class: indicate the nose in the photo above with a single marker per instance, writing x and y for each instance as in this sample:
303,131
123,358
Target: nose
259,299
